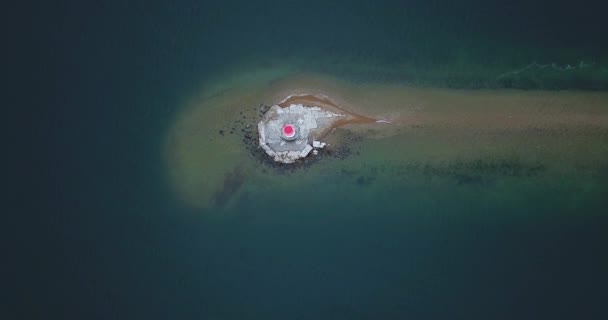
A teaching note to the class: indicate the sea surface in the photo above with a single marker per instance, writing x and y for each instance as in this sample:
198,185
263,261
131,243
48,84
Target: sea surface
401,228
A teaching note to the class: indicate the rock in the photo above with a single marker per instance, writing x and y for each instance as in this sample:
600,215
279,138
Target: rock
318,144
306,150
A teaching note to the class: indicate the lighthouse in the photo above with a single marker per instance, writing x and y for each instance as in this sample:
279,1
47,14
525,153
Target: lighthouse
290,133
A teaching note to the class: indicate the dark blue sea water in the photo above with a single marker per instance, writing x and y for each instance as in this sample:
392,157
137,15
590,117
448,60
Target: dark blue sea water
100,235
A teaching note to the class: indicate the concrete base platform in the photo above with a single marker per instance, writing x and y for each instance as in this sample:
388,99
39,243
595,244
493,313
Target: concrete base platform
309,121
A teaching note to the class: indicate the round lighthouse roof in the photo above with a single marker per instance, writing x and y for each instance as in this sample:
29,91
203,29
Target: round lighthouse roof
288,131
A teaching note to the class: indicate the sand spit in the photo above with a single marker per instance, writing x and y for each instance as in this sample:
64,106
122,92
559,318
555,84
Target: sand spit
204,147
325,102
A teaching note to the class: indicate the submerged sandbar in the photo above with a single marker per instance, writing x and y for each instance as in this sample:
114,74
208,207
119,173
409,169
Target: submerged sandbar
560,129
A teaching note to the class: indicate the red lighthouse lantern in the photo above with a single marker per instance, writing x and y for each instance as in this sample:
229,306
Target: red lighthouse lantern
288,132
